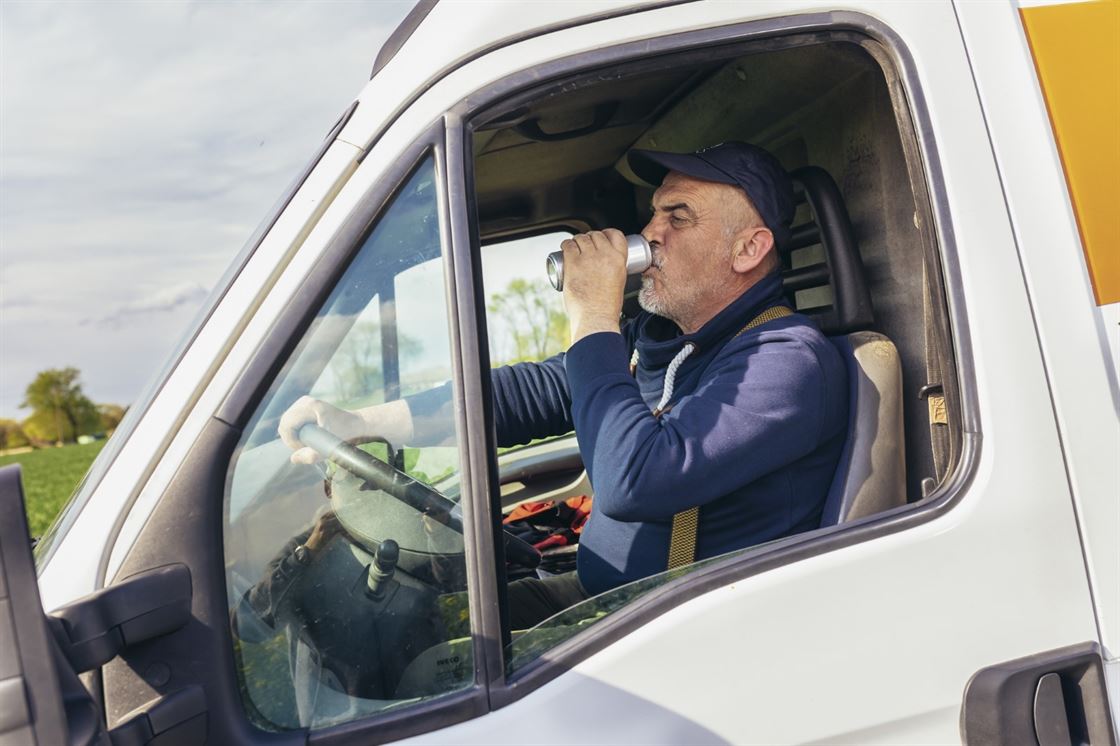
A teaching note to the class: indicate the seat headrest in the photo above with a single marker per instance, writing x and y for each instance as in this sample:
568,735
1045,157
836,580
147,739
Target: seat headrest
842,269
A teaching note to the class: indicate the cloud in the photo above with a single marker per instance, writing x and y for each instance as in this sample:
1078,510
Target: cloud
140,144
163,300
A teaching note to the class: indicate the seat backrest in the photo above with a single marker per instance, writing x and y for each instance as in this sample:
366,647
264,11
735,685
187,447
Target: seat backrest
871,474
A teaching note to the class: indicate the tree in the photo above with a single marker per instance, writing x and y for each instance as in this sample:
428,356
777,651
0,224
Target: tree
356,365
11,435
55,397
43,428
110,415
533,320
357,362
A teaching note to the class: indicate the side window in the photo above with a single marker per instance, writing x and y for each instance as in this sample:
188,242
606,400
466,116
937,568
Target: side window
525,316
345,574
679,437
526,323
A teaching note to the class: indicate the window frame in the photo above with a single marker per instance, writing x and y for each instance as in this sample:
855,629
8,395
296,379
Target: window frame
448,139
240,405
946,289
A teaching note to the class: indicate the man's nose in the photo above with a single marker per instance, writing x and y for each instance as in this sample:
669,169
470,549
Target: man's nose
652,232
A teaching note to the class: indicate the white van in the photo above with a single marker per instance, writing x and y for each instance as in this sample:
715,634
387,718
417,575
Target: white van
958,167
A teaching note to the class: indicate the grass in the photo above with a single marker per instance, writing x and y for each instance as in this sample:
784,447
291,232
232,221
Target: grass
49,478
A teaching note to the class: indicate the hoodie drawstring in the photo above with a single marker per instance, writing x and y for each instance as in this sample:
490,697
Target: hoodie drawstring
670,375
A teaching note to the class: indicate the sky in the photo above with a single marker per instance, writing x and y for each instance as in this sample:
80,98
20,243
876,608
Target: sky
140,145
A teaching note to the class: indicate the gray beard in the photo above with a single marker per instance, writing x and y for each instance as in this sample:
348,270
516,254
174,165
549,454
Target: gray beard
669,308
647,296
648,300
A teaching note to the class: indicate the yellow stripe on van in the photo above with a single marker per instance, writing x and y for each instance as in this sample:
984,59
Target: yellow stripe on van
1076,49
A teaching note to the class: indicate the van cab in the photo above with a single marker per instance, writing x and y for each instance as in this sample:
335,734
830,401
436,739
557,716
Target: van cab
955,165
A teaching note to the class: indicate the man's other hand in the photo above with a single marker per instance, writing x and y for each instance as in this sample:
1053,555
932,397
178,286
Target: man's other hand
391,421
594,279
348,426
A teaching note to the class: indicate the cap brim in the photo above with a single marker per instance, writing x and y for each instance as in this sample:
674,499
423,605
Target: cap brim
651,166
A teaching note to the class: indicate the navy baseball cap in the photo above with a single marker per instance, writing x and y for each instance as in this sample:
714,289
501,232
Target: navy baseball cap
740,164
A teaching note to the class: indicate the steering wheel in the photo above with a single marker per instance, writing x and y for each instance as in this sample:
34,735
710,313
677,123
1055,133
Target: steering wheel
396,483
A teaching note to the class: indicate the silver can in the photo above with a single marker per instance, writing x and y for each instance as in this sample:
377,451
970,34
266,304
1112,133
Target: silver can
638,258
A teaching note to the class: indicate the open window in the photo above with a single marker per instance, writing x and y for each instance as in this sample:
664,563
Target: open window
863,260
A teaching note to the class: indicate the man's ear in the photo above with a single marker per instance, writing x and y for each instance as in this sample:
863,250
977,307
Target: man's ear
750,249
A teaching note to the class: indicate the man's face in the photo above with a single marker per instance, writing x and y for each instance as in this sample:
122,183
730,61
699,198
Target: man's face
691,251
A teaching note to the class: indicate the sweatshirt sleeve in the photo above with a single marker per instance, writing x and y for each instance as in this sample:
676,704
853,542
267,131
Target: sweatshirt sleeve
531,400
760,407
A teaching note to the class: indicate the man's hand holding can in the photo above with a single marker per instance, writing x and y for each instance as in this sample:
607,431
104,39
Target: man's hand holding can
594,276
638,258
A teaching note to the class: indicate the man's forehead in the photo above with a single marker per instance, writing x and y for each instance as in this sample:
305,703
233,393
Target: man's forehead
682,188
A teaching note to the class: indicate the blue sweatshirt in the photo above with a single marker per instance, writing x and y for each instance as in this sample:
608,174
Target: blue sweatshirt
752,433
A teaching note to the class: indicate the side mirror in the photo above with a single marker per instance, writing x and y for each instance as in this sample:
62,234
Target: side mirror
31,709
95,629
42,701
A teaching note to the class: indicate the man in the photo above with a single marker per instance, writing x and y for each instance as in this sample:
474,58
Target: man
716,397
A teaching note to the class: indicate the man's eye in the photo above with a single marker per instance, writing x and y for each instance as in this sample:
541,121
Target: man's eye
678,219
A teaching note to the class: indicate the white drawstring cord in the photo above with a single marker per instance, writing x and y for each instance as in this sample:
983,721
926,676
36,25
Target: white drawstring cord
671,376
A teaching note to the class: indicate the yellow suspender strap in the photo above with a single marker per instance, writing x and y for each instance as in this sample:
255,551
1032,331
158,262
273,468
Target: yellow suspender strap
682,538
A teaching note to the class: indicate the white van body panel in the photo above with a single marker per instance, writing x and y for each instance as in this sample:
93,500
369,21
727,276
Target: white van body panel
822,650
454,33
1112,681
1108,328
1081,366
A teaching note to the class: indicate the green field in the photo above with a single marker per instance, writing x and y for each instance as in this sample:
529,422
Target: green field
49,478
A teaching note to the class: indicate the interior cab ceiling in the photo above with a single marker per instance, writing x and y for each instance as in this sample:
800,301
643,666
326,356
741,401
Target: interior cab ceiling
559,159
